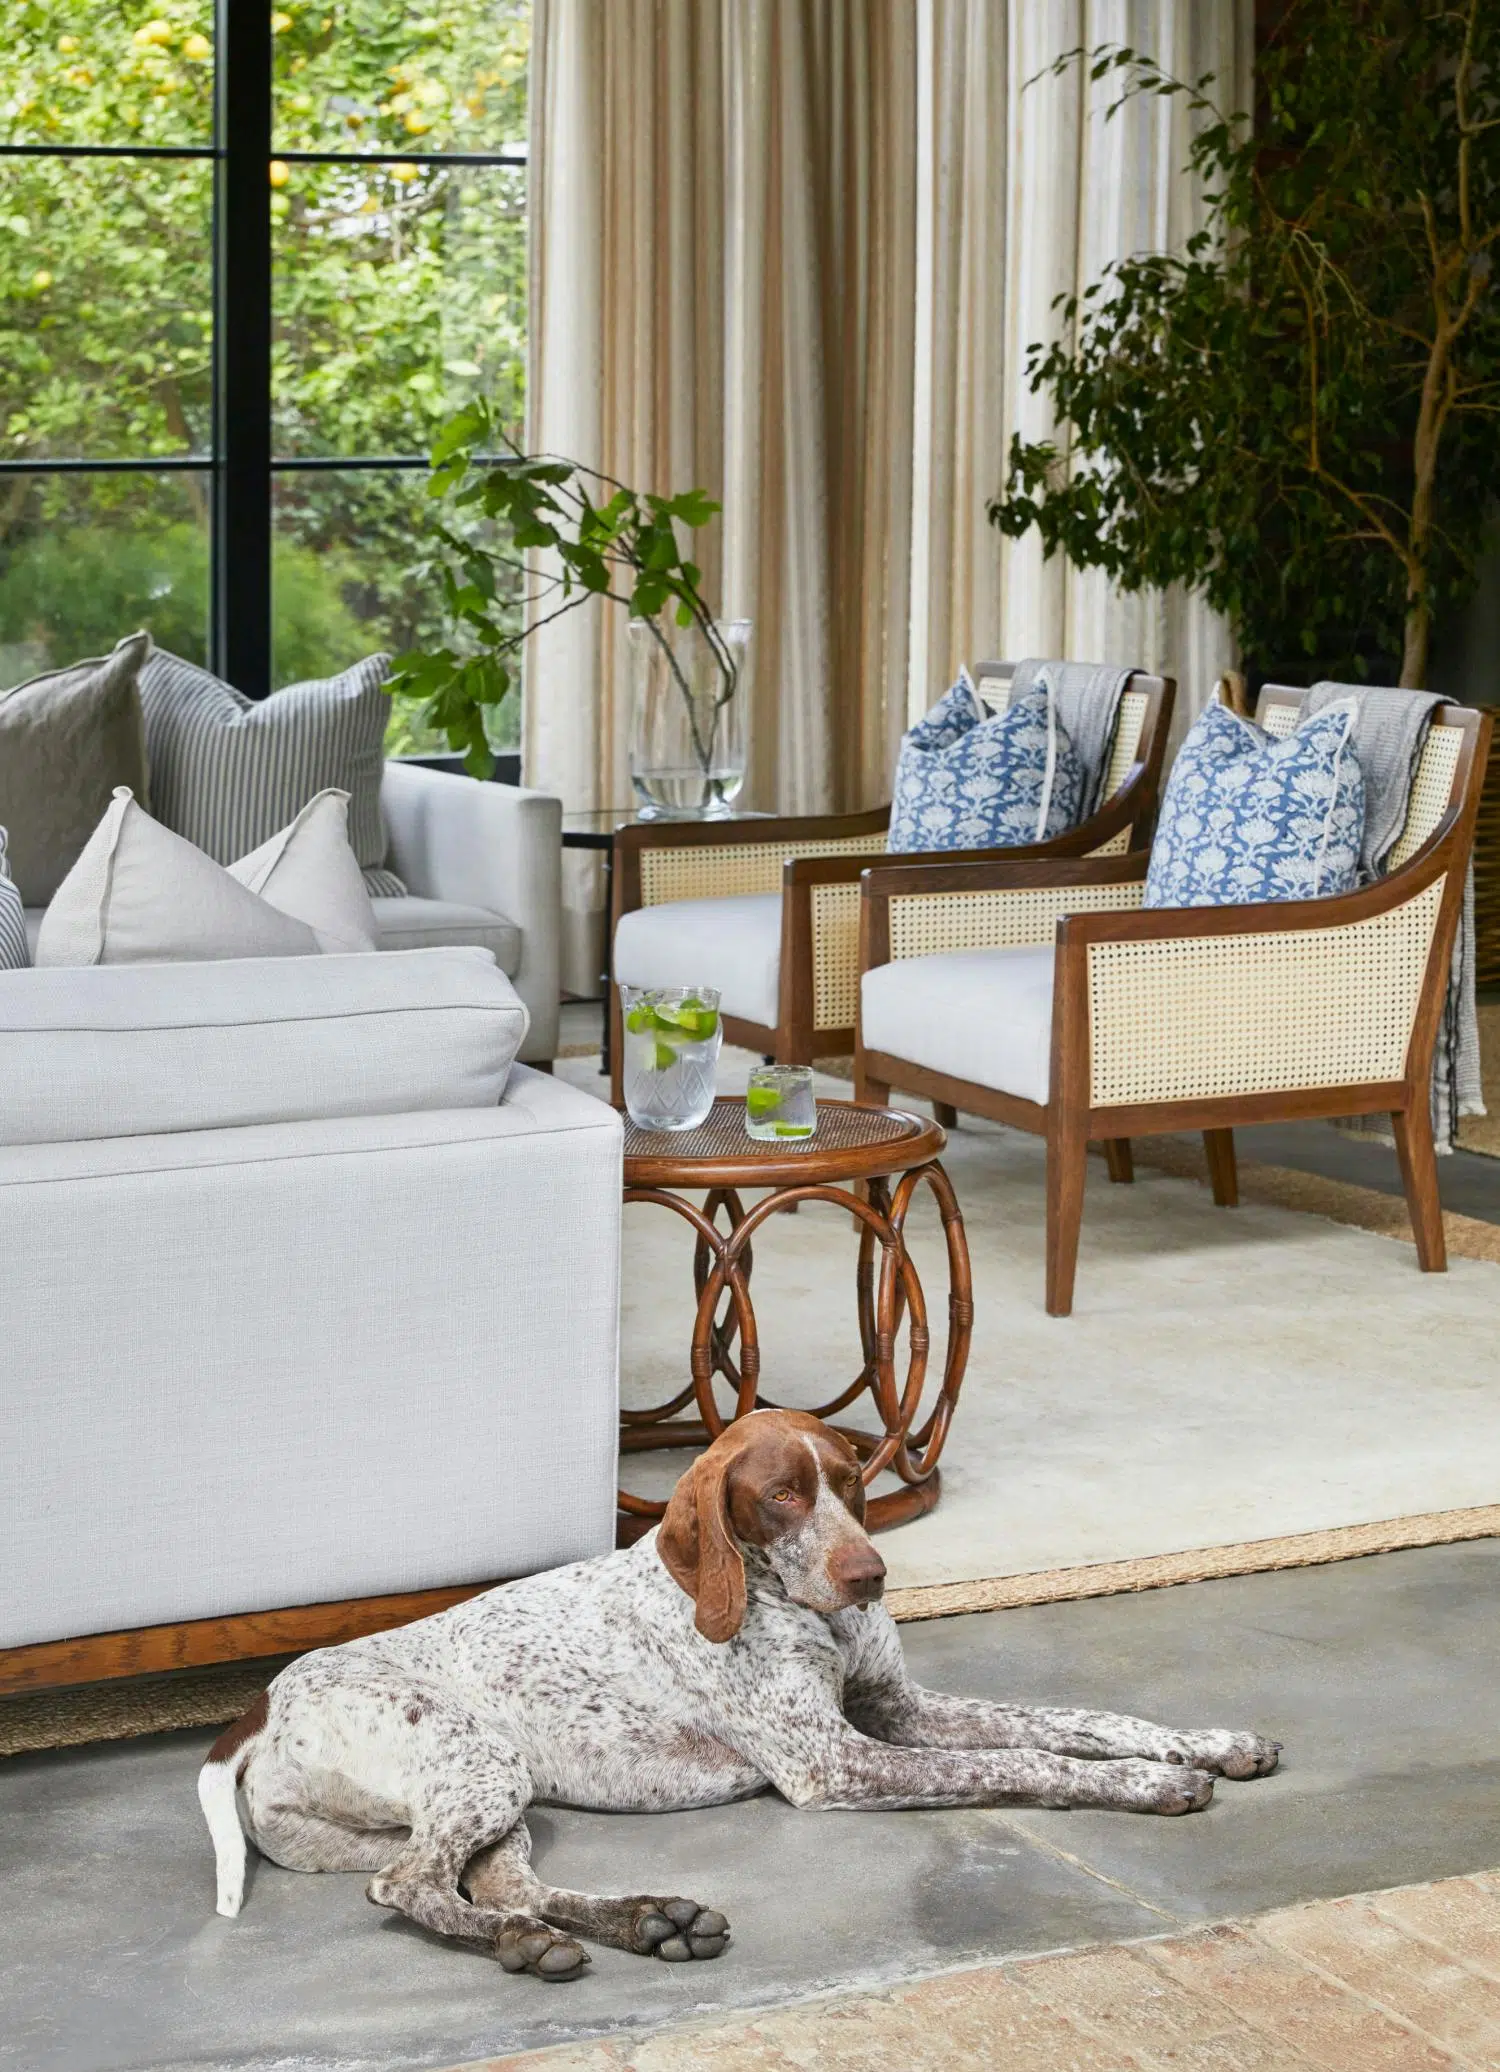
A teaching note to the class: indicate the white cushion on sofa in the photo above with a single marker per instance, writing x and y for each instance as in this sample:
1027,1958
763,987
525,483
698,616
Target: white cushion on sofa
734,944
127,1050
410,923
981,1015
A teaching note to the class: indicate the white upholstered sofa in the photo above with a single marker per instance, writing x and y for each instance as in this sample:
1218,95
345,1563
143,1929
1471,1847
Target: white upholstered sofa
482,865
309,1299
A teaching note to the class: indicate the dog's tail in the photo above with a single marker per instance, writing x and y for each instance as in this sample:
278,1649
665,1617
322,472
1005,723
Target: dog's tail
218,1782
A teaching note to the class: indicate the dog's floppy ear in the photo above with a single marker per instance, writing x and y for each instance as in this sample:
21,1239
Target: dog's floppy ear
697,1546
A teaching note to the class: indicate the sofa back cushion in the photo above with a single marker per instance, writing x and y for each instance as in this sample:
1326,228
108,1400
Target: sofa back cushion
15,952
1247,818
969,778
228,771
136,1050
66,740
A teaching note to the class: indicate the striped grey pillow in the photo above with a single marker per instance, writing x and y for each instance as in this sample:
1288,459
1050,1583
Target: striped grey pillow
14,954
227,771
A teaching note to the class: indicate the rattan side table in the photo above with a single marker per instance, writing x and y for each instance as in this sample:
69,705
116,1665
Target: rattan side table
855,1156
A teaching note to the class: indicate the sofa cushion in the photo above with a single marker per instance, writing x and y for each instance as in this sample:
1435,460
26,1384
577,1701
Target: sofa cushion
141,895
15,941
969,778
1247,817
131,1050
409,923
228,771
981,1015
733,944
66,741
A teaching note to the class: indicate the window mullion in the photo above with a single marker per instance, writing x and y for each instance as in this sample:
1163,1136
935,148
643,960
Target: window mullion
240,632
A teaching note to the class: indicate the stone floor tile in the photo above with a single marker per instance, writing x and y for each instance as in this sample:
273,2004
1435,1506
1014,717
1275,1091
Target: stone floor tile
1314,2022
1463,1914
1349,1941
1147,2015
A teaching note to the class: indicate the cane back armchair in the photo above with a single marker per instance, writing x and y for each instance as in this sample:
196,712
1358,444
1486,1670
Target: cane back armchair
769,912
1043,995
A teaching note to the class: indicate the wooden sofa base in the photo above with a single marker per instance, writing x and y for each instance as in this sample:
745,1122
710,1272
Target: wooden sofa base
196,1643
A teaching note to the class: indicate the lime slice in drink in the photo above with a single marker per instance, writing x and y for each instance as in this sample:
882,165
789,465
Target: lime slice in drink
638,1020
793,1129
761,1101
691,1018
663,1057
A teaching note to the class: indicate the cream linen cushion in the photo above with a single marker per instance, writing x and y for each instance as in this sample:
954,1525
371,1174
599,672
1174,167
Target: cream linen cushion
733,944
980,1015
141,895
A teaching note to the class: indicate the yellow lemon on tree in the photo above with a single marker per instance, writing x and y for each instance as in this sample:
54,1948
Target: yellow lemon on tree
41,278
280,22
281,172
403,172
67,44
197,48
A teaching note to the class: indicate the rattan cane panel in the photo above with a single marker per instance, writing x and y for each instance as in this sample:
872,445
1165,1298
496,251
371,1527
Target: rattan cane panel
1129,721
1117,845
714,872
925,923
835,926
1431,792
1196,1017
1281,720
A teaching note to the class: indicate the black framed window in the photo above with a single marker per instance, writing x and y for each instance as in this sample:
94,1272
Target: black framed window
251,257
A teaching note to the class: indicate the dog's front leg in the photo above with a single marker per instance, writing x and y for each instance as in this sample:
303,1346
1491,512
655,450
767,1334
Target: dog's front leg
849,1769
917,1718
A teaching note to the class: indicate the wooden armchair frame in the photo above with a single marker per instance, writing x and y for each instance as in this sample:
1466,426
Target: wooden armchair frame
1204,1018
816,864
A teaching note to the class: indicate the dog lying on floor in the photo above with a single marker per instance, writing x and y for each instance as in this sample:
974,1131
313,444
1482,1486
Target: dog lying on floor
739,1645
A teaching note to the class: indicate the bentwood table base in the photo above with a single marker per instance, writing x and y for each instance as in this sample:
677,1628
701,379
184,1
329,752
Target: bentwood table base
852,1162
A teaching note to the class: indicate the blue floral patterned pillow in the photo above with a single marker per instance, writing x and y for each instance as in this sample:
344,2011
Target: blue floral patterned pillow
1248,818
972,779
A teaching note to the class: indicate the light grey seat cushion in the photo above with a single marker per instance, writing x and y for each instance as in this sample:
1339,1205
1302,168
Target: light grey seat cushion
734,944
227,771
66,741
137,1049
410,923
981,1015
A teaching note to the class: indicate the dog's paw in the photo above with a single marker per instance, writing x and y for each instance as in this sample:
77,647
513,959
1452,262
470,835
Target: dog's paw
1238,1756
527,1945
1142,1786
678,1930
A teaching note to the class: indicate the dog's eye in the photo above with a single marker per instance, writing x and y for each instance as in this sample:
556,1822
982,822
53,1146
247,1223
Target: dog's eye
783,1496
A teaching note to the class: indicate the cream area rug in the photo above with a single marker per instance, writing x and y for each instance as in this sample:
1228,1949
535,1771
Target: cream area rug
1229,1378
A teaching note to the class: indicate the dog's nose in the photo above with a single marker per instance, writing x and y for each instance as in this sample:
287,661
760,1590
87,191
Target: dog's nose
858,1571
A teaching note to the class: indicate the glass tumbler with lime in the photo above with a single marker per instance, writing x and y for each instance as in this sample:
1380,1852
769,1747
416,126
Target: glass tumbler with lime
672,1040
779,1104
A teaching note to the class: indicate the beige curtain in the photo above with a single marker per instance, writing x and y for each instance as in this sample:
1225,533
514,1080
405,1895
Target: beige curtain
792,252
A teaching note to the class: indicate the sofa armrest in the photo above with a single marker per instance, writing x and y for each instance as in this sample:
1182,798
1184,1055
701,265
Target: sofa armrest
486,845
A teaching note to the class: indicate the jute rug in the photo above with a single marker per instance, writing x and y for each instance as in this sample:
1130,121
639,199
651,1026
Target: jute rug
1270,1387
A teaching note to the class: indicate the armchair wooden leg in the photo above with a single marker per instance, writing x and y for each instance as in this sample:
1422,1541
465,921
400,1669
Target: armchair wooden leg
868,1092
616,1050
1223,1173
1413,1133
1067,1165
1117,1157
945,1115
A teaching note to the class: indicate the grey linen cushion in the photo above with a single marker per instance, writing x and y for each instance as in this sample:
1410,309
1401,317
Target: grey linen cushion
229,771
66,741
15,955
135,1050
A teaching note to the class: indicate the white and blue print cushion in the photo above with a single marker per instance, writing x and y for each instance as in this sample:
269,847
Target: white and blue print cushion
14,952
969,778
1248,818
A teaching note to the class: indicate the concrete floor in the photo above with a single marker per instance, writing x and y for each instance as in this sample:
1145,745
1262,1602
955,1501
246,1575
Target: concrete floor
1377,1674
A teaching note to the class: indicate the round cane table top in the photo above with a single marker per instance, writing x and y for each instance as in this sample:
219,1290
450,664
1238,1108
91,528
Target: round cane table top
851,1143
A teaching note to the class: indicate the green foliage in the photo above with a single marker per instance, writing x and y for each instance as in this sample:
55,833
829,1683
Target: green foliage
400,292
1300,415
599,538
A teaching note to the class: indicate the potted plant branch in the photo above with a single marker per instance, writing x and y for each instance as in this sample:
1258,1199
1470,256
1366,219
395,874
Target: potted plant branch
571,534
1300,415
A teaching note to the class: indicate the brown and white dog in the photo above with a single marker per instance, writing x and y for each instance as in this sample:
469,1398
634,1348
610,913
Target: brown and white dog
740,1645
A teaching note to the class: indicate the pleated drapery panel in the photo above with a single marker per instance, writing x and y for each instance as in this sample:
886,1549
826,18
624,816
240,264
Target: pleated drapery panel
793,252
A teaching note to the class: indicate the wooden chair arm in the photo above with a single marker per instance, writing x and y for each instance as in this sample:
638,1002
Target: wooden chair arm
1000,871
